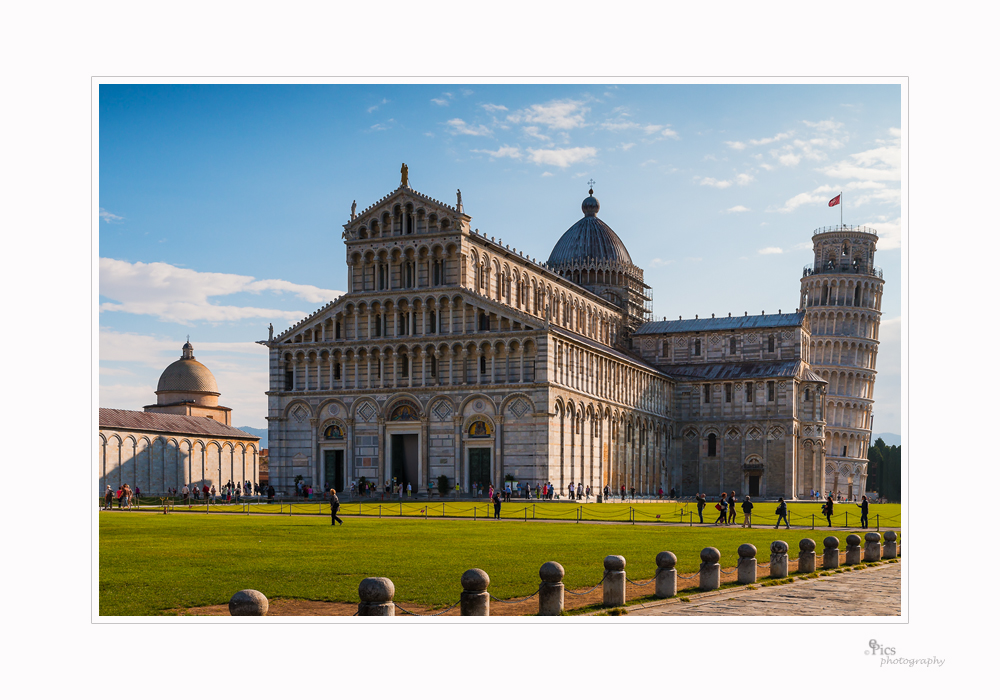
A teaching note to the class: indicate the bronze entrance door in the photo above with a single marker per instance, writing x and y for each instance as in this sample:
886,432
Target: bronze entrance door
754,485
333,469
479,466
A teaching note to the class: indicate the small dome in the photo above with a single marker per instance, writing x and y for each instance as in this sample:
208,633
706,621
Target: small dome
187,375
589,238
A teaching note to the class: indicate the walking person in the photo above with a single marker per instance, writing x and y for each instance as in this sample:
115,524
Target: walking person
108,496
747,508
828,510
623,493
211,494
579,490
723,509
571,488
732,507
702,501
782,512
409,490
334,507
496,505
864,512
270,494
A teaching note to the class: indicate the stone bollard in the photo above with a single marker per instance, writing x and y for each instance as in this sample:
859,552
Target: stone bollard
873,546
248,602
614,581
475,599
779,559
376,594
890,551
666,575
807,556
853,550
746,569
708,579
551,591
831,552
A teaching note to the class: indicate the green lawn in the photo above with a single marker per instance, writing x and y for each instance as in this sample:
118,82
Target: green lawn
150,563
803,514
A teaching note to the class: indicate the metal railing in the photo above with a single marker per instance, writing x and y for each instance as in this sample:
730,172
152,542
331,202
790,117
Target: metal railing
842,268
844,227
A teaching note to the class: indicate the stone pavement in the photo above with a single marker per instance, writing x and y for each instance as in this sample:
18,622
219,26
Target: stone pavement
872,591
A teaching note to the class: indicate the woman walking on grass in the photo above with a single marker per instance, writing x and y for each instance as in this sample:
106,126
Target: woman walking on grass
723,509
828,510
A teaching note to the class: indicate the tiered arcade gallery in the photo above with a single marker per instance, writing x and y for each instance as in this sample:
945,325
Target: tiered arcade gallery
453,355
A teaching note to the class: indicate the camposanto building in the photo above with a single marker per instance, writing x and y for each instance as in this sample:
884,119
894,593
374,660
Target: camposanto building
186,437
452,354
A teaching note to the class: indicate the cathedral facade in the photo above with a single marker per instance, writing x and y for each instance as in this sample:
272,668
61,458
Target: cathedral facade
453,355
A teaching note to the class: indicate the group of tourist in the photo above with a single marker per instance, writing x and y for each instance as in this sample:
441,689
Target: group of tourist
727,510
124,495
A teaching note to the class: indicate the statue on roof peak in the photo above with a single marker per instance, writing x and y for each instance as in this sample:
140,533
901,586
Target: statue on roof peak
404,173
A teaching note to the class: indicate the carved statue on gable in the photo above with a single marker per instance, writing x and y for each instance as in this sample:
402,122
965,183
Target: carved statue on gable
354,209
404,173
270,332
460,209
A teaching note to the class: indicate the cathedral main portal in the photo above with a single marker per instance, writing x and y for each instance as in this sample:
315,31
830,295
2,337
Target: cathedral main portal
405,459
479,467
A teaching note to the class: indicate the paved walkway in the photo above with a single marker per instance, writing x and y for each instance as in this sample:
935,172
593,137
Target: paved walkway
872,591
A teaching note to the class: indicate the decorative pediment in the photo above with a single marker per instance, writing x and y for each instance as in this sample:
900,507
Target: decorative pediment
437,216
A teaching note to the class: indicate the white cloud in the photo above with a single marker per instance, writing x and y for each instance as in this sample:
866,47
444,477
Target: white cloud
890,233
882,163
647,162
658,262
183,296
376,106
442,101
561,157
744,179
383,126
557,114
502,152
771,250
817,196
771,139
458,126
738,208
494,108
108,217
547,174
535,132
626,146
712,182
737,145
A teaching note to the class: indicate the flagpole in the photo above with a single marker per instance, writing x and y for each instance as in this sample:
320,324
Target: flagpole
841,211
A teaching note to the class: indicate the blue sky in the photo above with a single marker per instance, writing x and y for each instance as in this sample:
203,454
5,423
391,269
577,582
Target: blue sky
221,206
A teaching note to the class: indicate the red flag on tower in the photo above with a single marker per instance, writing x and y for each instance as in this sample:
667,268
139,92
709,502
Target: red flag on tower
834,202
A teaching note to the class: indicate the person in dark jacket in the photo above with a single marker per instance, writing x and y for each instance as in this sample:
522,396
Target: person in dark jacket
828,510
270,493
732,507
334,507
496,504
723,509
864,511
782,512
701,507
747,508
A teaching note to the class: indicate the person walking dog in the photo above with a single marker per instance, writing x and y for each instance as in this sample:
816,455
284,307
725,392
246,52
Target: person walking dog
334,507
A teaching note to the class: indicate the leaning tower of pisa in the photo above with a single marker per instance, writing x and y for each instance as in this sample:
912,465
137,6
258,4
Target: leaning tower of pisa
842,295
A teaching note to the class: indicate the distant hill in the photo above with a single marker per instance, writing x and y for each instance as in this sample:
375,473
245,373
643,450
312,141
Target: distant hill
887,438
259,432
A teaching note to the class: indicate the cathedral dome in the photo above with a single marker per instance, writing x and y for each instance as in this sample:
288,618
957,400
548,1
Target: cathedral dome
589,238
187,375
